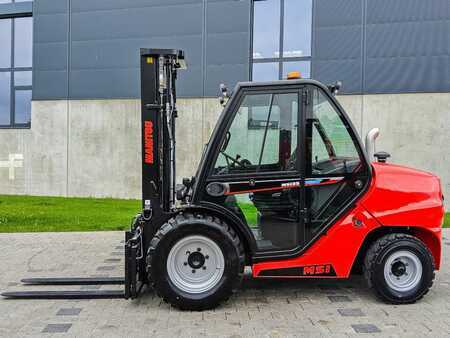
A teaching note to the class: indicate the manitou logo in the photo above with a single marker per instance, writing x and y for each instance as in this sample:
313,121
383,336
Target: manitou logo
148,142
14,161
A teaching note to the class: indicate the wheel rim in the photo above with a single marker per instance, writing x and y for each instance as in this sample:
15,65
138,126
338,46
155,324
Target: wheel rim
403,271
195,264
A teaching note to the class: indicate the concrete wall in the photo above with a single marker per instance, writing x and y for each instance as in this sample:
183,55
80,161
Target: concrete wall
92,147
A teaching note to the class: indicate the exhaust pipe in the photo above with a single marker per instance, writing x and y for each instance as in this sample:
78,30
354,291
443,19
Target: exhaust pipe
370,143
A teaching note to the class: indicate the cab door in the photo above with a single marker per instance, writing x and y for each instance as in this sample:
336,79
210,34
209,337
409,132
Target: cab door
336,171
256,173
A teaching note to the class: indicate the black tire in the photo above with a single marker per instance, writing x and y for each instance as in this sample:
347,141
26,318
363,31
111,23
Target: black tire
379,253
174,230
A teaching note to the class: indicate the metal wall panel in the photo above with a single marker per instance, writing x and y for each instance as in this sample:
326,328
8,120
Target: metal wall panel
50,49
373,46
227,49
105,37
337,43
407,46
383,46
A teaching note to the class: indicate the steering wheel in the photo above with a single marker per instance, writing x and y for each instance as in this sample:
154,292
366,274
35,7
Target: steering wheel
244,163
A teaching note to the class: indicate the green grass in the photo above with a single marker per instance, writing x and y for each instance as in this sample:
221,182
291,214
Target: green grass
39,214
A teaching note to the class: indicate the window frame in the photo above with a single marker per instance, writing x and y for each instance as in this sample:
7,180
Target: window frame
281,59
348,126
12,70
262,174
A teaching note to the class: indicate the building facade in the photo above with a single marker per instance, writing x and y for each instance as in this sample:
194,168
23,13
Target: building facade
69,79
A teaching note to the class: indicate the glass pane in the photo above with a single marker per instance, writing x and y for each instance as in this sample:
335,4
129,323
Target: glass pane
22,78
266,29
333,149
304,67
5,87
22,0
262,137
23,106
5,43
23,42
265,71
7,1
297,28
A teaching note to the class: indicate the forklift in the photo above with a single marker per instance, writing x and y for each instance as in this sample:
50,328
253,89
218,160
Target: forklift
284,186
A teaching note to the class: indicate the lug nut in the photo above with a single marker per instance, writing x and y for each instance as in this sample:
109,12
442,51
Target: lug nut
206,257
199,249
185,263
193,271
188,252
204,268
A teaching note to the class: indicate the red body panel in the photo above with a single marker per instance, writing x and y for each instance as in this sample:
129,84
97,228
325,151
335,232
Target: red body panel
397,196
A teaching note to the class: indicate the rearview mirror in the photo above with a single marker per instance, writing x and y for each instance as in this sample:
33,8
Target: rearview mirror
224,96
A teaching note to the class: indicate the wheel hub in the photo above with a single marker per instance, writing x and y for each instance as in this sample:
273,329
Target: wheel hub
398,268
403,271
196,260
195,264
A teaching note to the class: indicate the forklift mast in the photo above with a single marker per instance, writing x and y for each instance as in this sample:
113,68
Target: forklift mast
158,113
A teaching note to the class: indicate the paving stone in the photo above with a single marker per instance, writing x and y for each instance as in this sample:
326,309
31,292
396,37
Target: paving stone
119,247
365,328
106,268
112,260
116,253
71,311
13,284
351,312
263,308
339,299
57,328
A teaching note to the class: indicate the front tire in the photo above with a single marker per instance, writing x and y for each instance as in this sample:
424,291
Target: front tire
195,262
400,268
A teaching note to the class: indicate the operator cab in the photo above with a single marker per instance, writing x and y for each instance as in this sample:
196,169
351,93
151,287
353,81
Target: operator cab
285,161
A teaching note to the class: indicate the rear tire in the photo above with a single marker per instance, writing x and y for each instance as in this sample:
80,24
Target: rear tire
400,268
195,262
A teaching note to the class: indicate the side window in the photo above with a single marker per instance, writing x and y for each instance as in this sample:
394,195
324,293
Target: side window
262,136
333,151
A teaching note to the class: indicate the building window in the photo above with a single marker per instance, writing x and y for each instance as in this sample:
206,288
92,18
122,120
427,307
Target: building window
16,41
281,38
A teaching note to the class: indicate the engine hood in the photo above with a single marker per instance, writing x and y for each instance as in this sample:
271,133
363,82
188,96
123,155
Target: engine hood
402,196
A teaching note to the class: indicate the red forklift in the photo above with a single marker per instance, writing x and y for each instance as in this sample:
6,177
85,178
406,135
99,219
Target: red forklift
284,186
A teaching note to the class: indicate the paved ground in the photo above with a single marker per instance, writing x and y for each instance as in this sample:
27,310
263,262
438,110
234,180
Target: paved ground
262,308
